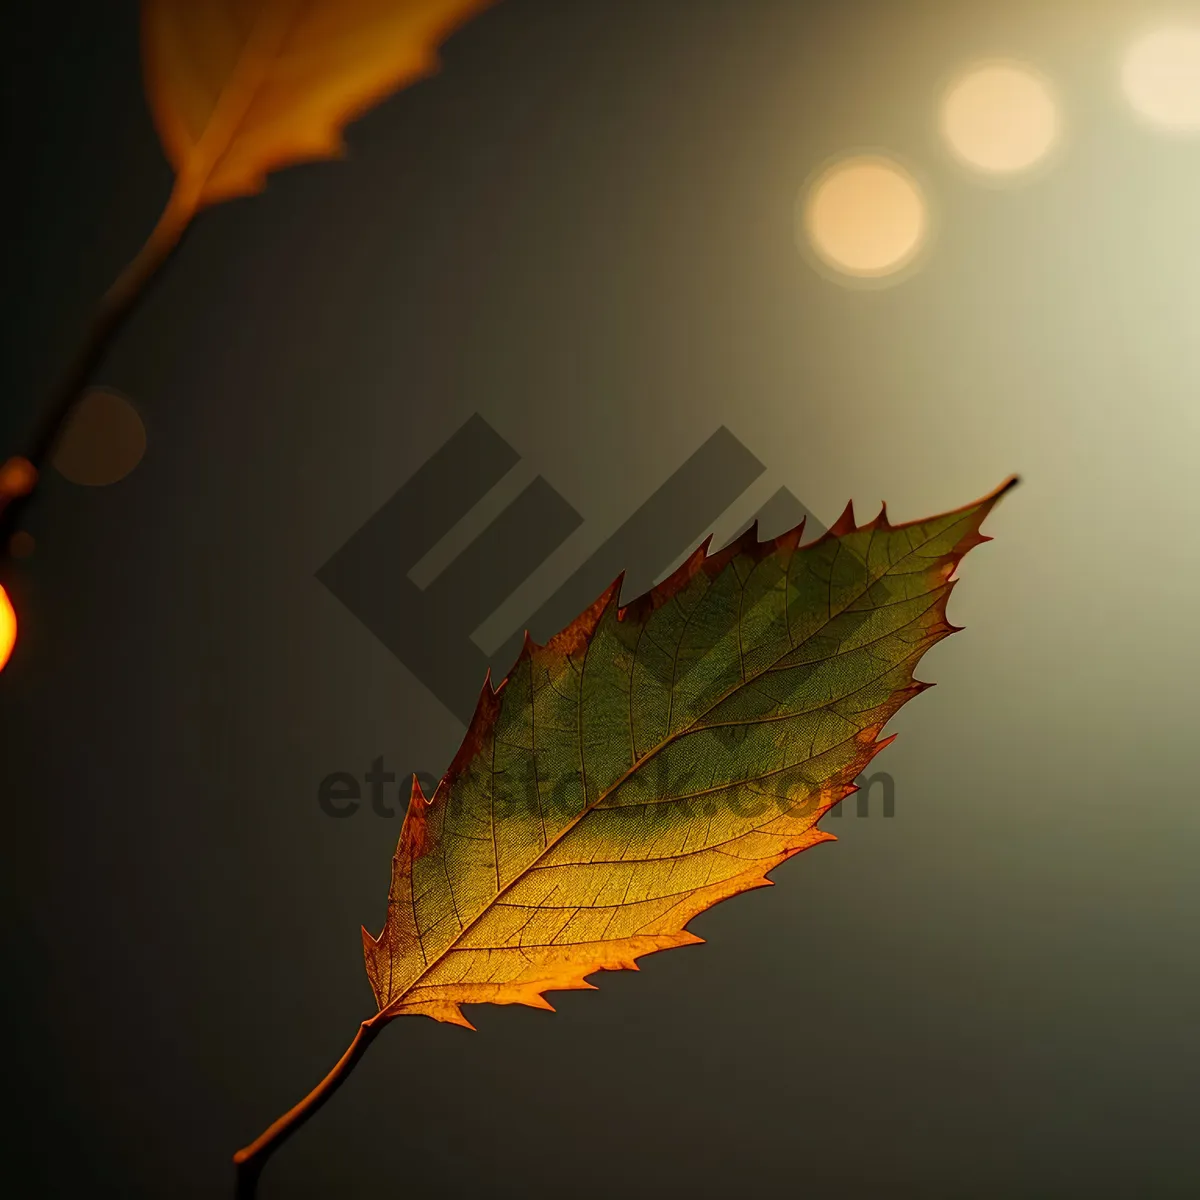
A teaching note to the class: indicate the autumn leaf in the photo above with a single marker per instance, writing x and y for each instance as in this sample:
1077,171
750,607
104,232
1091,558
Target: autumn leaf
239,88
654,759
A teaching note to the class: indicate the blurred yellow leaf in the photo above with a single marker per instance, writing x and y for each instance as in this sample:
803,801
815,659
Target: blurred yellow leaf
240,88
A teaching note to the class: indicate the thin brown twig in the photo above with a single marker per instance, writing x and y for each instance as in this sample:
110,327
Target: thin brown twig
114,309
251,1159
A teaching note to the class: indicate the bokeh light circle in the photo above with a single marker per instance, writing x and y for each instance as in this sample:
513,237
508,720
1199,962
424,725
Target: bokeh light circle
103,440
865,217
1161,77
1000,118
18,477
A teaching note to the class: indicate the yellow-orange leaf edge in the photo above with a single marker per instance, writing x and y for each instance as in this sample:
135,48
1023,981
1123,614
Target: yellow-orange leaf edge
568,970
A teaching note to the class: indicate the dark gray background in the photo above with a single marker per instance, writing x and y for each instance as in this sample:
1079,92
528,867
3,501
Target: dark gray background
582,229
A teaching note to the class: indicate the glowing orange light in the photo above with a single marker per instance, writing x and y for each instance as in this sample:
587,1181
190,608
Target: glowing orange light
8,627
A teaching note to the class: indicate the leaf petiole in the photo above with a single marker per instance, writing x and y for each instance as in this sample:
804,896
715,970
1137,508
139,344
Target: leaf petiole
251,1159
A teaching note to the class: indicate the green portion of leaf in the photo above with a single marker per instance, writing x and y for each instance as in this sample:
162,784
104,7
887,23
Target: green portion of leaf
655,758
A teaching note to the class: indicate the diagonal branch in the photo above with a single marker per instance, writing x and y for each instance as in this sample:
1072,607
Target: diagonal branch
20,474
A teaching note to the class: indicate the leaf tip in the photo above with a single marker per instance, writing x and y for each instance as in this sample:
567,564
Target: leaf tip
614,590
748,539
788,541
416,838
674,582
845,523
576,636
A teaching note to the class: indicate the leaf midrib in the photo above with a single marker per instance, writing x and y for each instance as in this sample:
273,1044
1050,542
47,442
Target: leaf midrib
268,32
